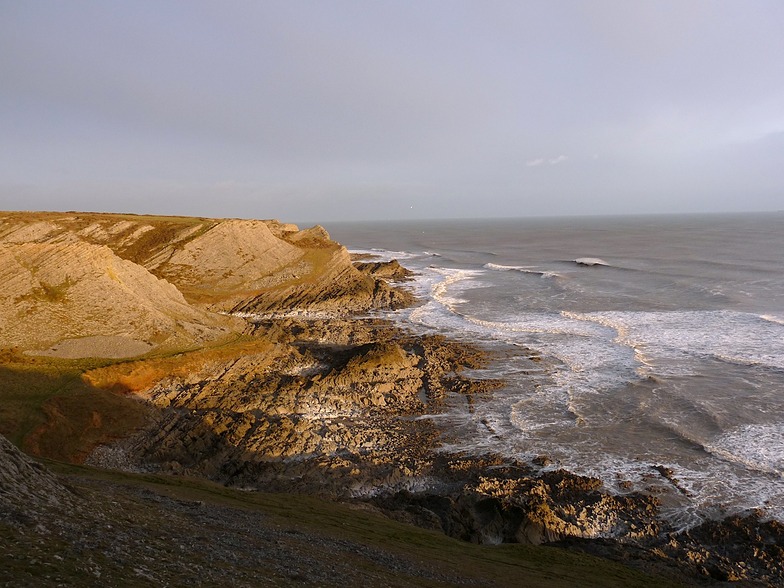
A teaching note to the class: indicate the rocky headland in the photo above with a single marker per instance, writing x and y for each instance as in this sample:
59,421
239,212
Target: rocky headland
246,353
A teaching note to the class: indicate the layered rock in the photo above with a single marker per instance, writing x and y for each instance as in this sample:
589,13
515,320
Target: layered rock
322,408
82,284
26,485
390,270
236,256
73,299
325,280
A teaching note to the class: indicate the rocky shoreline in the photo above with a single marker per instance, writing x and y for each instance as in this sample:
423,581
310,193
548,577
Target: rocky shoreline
265,372
343,412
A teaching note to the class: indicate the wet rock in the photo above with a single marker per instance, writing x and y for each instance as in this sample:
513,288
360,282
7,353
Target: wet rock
389,270
736,548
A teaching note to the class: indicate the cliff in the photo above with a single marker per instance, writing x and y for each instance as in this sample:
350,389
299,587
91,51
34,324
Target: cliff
76,285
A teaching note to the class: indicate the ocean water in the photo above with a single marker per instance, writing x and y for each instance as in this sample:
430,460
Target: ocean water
626,343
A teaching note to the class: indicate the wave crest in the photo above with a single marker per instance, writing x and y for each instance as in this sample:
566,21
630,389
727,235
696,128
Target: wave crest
589,261
520,268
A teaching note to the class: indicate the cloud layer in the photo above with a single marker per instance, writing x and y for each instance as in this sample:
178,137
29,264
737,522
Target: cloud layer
348,109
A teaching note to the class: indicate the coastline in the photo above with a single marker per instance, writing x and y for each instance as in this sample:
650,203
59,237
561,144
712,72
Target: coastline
388,455
315,395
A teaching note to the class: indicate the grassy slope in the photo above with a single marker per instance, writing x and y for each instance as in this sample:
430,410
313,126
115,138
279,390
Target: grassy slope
503,565
62,409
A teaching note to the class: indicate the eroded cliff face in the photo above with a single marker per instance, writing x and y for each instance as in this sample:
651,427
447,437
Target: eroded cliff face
326,280
56,295
76,285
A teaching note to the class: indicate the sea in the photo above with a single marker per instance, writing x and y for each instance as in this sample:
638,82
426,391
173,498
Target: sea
646,351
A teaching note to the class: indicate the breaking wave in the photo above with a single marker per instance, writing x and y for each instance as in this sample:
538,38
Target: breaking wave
589,261
522,269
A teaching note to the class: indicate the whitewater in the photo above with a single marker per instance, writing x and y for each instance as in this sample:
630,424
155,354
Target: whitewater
628,345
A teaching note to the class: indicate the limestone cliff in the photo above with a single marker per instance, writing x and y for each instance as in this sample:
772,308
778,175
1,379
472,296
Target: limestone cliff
58,294
80,284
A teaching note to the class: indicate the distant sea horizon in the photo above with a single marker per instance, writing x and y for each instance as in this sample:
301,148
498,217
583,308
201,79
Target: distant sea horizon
341,223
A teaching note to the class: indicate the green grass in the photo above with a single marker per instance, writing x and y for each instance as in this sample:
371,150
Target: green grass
62,408
48,409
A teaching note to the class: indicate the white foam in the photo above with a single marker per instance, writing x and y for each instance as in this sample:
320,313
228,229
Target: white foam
522,269
590,261
384,254
759,447
598,354
665,339
772,318
454,282
506,268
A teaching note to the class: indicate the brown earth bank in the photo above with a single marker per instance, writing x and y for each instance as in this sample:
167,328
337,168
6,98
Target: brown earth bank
234,351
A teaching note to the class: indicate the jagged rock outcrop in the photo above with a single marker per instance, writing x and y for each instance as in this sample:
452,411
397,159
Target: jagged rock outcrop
26,485
740,547
330,406
326,281
491,500
390,270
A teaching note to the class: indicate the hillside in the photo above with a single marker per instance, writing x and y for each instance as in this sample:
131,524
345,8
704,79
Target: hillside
72,298
85,527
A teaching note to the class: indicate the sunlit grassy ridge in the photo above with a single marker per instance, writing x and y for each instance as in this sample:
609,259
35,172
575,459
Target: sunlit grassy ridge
47,408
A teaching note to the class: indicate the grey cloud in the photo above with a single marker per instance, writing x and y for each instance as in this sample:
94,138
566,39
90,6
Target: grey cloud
353,109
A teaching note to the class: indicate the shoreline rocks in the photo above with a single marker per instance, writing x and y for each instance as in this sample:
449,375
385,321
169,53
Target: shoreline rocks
335,410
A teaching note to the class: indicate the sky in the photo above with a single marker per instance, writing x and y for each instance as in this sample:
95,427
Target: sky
330,110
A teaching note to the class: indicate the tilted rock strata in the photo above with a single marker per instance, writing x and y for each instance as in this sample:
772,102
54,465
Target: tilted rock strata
146,281
327,283
343,406
389,270
233,255
61,291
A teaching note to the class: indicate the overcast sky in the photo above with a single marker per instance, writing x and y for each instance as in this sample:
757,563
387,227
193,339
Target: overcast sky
325,110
